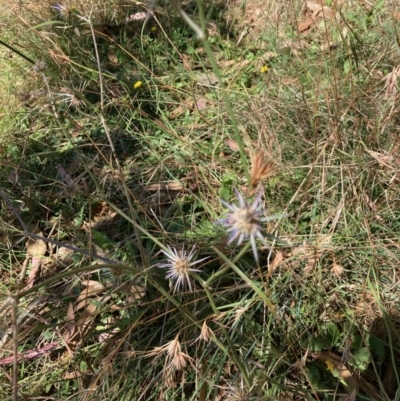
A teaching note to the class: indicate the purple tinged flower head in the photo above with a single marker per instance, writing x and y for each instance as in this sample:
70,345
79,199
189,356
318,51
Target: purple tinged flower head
244,221
63,10
39,66
179,264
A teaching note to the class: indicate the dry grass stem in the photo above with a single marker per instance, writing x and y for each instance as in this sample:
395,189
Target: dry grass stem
260,169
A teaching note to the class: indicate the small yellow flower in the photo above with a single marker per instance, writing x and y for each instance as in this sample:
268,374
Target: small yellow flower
264,69
330,366
153,28
137,84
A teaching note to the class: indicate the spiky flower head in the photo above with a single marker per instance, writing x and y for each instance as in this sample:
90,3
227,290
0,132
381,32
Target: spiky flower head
39,66
179,264
73,95
245,219
63,10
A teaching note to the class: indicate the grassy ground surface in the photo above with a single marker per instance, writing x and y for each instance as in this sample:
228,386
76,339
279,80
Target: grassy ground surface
123,125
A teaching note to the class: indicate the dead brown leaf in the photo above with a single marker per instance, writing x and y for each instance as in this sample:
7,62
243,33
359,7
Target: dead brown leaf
232,145
334,360
311,253
268,55
304,26
180,110
372,206
72,375
391,82
101,215
396,15
329,46
165,186
36,247
382,159
112,58
313,6
70,325
88,283
34,272
83,324
136,291
35,250
337,270
317,8
207,79
278,259
295,45
90,309
63,255
241,64
186,62
318,11
226,63
92,287
201,104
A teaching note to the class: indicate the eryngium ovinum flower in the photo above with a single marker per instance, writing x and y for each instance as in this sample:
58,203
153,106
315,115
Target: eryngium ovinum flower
73,96
63,10
179,264
244,221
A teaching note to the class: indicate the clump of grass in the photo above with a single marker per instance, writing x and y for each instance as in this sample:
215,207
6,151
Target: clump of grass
133,132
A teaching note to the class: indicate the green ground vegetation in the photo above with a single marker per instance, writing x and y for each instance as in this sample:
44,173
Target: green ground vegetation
121,130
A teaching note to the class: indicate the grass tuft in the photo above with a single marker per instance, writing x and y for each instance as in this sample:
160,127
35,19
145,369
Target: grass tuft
125,130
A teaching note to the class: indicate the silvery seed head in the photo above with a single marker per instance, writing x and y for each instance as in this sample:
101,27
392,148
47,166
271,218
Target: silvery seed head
179,264
244,221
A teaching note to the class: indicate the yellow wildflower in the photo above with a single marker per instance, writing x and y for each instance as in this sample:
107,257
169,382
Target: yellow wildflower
330,366
137,84
264,69
153,28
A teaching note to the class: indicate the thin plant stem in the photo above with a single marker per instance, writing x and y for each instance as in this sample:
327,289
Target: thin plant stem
98,63
200,31
29,234
266,300
110,141
73,272
223,270
242,367
13,304
250,282
225,96
196,322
